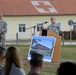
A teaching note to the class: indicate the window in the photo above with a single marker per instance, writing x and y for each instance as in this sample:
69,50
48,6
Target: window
39,28
22,28
74,27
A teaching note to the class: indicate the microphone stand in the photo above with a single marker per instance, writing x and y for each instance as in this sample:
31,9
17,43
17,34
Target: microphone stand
31,28
37,25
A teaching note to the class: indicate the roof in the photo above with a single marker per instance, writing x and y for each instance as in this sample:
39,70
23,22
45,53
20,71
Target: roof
41,47
37,7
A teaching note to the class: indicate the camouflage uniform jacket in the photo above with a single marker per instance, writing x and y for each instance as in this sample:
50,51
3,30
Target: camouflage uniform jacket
54,27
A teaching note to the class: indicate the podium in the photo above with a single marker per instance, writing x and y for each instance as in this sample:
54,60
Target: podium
57,49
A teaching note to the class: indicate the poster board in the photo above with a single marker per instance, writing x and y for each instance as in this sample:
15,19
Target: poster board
43,45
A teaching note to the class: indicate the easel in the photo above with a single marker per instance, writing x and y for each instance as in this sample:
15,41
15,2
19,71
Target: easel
31,28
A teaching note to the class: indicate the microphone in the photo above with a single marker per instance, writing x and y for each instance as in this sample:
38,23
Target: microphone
46,22
42,23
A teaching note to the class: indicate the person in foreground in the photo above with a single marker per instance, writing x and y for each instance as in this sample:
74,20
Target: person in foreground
2,57
67,68
36,63
13,65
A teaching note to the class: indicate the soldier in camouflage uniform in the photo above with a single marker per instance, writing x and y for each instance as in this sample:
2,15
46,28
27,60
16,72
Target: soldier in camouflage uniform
54,26
3,30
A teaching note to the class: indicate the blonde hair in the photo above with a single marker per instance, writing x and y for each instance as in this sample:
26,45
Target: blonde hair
12,56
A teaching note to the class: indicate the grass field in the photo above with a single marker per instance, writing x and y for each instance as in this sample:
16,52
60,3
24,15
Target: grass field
67,53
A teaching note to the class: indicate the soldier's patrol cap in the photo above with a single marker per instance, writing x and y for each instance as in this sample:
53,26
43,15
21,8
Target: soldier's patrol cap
52,18
36,56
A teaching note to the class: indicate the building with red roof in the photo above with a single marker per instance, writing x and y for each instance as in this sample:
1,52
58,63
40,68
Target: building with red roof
22,15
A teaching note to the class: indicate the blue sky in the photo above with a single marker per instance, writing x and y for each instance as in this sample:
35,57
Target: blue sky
46,41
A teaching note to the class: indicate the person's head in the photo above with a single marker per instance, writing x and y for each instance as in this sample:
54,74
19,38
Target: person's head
2,54
1,16
36,60
52,19
67,68
12,56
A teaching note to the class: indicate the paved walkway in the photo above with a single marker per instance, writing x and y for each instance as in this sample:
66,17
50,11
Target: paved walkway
69,43
28,43
20,43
